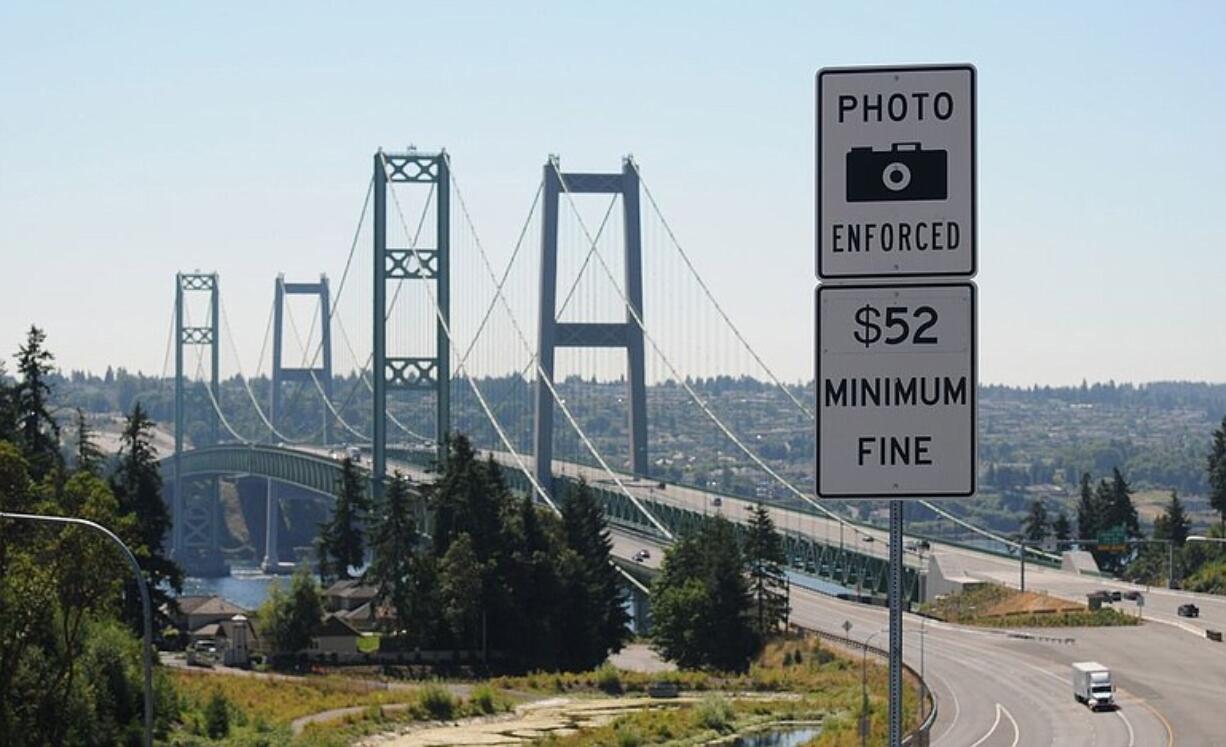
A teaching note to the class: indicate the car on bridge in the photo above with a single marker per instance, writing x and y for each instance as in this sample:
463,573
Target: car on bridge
1188,610
642,555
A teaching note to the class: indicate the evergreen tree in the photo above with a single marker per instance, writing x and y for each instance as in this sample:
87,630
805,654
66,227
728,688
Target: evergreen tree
393,544
702,608
37,430
89,456
1037,525
460,590
765,558
342,539
537,585
1216,469
1089,521
1061,527
137,484
217,716
596,620
1120,510
1174,523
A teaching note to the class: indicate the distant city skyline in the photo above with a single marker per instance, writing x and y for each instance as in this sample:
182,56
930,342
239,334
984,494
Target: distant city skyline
138,141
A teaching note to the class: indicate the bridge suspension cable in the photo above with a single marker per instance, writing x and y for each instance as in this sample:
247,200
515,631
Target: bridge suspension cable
800,405
681,380
499,296
446,327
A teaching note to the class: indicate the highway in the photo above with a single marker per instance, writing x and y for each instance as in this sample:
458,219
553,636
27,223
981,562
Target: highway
994,689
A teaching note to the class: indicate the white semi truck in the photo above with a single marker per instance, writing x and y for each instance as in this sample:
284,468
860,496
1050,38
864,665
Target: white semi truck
1092,685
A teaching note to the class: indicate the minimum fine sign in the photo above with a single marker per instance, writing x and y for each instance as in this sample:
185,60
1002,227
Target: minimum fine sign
896,384
896,171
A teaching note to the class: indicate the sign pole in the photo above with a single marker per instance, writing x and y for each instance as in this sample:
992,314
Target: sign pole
895,593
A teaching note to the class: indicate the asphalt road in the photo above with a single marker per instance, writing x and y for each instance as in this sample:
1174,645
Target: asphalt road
996,690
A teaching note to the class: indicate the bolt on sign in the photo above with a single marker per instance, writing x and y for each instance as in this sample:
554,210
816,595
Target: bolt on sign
896,172
896,391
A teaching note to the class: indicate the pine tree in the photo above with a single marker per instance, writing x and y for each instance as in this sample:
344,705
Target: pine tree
1120,510
37,430
1173,524
460,589
1089,519
764,558
1216,469
1061,527
596,622
393,544
701,603
137,484
342,539
1038,524
287,621
89,456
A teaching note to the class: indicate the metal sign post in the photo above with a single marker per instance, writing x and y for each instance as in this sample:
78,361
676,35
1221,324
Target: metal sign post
896,362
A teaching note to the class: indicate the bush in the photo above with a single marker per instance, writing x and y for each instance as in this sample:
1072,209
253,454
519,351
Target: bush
714,713
217,717
628,736
437,702
482,699
608,679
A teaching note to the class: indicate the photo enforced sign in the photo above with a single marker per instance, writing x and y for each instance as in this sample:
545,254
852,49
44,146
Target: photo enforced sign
896,172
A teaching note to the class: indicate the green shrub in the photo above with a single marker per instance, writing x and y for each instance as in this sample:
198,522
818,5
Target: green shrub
217,716
482,699
608,679
628,736
437,702
714,713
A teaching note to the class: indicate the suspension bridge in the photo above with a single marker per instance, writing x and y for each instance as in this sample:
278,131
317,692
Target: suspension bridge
636,380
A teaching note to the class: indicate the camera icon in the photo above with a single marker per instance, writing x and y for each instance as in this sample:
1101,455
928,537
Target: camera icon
905,172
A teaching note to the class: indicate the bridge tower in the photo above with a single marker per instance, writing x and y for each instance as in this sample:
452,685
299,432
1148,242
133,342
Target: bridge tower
552,334
321,372
400,369
317,372
194,533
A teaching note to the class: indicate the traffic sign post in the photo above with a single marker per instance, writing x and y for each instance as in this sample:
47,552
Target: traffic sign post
896,172
896,365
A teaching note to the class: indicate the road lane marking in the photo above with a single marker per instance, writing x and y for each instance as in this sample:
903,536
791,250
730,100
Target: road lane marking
1017,733
995,724
1132,738
957,706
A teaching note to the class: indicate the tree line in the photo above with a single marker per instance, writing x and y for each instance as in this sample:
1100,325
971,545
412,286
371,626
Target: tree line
69,611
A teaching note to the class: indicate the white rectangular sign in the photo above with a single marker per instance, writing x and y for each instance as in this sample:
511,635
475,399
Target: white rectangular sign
896,380
896,172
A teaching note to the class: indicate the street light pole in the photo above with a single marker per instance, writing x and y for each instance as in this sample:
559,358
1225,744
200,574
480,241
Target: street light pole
864,689
146,606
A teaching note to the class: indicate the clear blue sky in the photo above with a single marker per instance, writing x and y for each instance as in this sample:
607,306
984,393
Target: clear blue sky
141,139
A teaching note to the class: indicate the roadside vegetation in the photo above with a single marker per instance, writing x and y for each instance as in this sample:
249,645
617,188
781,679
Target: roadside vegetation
996,606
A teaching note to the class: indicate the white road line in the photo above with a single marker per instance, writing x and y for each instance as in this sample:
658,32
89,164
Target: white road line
957,706
1131,737
995,724
1017,733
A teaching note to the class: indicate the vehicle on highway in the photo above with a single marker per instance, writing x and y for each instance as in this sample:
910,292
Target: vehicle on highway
1116,596
1092,685
642,555
354,454
1188,610
717,501
1132,594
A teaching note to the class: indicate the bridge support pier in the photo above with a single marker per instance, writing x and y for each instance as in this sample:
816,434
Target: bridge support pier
272,526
